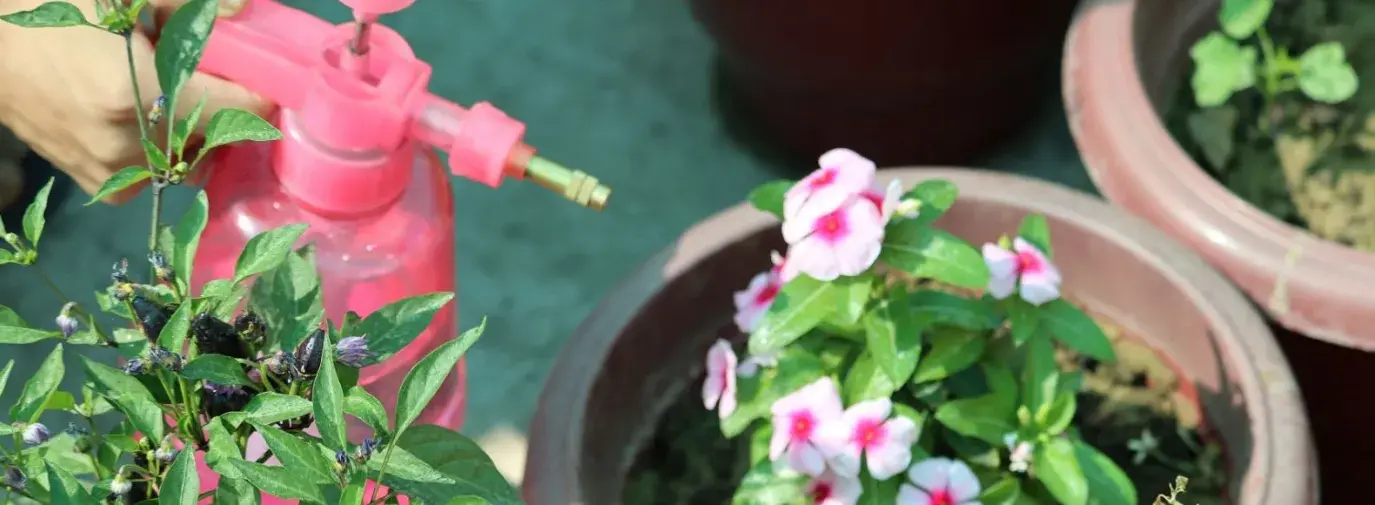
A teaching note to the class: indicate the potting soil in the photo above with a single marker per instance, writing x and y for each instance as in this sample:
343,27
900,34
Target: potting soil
688,461
1314,166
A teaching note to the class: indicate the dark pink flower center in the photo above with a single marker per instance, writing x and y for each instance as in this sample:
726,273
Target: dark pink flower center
869,433
767,294
821,491
941,497
1029,263
802,425
831,227
873,198
826,178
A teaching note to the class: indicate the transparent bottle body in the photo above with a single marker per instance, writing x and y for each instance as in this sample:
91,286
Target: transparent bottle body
365,260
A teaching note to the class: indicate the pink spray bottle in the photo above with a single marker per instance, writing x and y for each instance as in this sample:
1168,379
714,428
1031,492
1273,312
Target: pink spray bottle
356,165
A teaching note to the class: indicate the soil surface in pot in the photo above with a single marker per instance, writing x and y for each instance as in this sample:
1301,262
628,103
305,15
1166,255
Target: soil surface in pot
1304,162
688,461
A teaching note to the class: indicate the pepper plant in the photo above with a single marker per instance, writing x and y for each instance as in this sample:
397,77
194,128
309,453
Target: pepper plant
247,357
889,361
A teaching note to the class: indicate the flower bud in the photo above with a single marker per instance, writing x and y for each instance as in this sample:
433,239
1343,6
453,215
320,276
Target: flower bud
161,268
15,479
134,367
159,108
120,484
65,322
119,273
36,433
352,351
366,449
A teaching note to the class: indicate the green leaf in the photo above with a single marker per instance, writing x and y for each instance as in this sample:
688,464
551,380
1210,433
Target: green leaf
983,418
5,375
279,481
66,490
1058,468
223,447
800,306
173,335
926,252
156,158
1035,230
266,250
426,377
1055,417
952,350
763,485
866,381
893,337
1077,330
768,197
1325,75
1241,18
1107,483
120,181
362,405
1214,132
33,216
143,413
876,492
184,127
1007,491
457,458
352,495
936,197
187,238
1221,67
268,408
328,397
854,299
1023,318
1040,375
755,395
181,485
113,381
218,369
13,329
228,126
180,45
397,324
288,299
232,491
404,465
39,387
300,456
48,15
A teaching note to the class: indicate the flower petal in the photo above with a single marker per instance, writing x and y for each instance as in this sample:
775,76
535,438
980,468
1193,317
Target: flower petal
845,491
824,398
1001,262
856,171
806,458
931,474
963,485
876,411
845,459
895,454
910,495
1037,289
815,258
860,249
747,298
721,364
779,441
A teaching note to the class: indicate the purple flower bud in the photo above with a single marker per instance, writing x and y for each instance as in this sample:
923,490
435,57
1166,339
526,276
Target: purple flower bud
165,454
15,479
120,484
352,351
119,273
366,449
67,325
341,457
134,367
161,268
36,433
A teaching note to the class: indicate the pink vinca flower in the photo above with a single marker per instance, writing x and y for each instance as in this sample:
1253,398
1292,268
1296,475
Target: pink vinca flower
866,430
718,391
1040,280
940,481
888,200
844,241
754,301
785,271
843,173
832,489
796,420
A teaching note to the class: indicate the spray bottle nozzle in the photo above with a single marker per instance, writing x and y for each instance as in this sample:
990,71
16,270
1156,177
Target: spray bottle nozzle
359,87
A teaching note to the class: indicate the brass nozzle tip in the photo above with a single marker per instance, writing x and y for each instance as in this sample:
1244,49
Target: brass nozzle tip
575,185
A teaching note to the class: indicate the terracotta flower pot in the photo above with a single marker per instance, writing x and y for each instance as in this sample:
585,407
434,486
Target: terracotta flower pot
645,340
1123,60
874,74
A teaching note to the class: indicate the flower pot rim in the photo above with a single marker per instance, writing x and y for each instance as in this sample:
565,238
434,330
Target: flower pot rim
1278,422
1308,284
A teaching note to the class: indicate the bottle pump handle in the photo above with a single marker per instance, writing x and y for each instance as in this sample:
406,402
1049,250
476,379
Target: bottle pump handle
376,99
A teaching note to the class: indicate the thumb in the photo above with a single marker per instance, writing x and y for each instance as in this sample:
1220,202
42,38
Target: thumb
163,9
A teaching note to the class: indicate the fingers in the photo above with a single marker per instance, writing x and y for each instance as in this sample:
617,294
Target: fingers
219,94
163,9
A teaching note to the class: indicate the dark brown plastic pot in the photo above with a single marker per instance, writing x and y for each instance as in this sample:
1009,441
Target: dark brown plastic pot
873,75
648,337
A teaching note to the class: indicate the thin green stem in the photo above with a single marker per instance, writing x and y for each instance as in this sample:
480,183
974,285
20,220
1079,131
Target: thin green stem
51,285
382,470
158,186
95,446
138,94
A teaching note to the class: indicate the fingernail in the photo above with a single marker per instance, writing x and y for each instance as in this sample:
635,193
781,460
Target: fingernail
231,8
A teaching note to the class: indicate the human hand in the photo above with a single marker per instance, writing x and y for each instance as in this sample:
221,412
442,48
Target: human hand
66,92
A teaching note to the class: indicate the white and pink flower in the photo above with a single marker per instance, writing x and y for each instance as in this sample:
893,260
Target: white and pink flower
865,429
940,481
797,419
753,302
1039,279
832,489
826,244
718,390
843,174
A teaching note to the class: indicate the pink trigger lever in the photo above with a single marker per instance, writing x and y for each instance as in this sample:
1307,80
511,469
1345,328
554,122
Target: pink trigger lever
373,94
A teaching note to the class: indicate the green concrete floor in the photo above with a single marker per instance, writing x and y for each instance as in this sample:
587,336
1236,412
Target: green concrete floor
621,88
